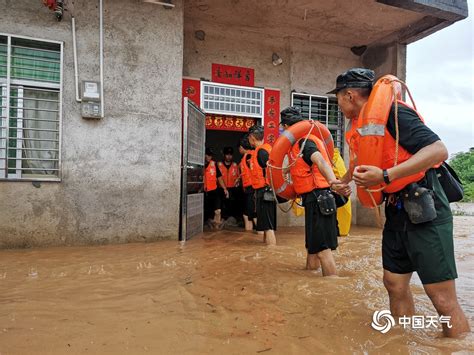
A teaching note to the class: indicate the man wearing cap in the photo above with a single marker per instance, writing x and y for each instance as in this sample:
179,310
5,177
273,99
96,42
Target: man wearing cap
313,179
426,248
212,201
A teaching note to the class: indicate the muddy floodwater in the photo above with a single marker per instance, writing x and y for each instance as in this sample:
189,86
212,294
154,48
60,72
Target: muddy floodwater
223,293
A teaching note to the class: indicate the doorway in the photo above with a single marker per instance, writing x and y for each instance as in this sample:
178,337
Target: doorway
218,140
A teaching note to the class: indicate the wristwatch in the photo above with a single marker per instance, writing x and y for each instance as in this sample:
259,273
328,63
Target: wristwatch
386,179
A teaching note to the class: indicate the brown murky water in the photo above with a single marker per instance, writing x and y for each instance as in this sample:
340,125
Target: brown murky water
225,293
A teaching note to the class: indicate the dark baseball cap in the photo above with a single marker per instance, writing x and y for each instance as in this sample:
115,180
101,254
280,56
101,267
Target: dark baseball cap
290,115
354,78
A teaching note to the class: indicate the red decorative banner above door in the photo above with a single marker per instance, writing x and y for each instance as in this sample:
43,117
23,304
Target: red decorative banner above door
229,74
229,123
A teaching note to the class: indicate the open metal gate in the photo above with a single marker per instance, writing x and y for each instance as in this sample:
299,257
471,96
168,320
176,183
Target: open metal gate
192,171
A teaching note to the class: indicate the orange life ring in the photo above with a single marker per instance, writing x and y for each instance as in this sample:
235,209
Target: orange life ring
372,122
282,147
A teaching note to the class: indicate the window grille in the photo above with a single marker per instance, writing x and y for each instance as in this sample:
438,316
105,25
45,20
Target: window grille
325,110
30,103
231,100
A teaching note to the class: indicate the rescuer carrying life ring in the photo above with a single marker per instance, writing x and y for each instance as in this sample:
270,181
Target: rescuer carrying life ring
370,131
313,178
282,186
414,238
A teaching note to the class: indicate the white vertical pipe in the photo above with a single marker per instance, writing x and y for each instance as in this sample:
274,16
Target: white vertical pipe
74,50
60,124
7,106
101,40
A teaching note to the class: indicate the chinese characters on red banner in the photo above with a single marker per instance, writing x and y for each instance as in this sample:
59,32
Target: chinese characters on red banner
271,115
192,90
228,74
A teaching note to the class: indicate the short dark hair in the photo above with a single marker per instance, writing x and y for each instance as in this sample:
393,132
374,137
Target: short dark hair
257,132
244,142
209,151
228,150
291,115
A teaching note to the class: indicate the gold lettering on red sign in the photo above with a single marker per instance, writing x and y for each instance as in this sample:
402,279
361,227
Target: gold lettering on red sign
229,122
271,112
249,122
239,123
190,91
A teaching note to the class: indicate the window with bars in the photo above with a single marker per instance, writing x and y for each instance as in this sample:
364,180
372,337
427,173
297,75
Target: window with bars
232,100
325,110
30,103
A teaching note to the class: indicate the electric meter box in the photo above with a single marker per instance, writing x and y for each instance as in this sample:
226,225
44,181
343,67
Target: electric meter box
90,106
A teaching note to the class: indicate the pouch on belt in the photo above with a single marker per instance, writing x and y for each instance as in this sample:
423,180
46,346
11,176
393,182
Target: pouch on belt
418,203
326,203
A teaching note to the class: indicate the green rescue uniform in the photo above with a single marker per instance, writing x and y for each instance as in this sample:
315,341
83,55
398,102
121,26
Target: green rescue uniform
426,248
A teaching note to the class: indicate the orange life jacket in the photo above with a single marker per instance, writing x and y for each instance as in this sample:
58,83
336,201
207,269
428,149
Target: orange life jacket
307,178
282,148
258,180
245,173
210,177
389,151
229,174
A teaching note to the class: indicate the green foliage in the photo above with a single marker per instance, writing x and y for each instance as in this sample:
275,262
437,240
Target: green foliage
463,164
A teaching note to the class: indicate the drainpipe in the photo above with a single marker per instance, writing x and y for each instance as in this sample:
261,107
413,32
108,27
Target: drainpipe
101,55
101,50
74,49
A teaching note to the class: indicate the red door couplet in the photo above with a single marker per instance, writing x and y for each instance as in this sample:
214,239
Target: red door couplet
271,115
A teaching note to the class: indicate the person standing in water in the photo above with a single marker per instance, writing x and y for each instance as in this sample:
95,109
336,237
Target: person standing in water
313,179
230,175
266,210
427,247
246,182
212,201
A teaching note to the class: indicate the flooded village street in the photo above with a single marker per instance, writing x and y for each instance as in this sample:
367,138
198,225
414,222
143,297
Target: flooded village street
224,292
126,126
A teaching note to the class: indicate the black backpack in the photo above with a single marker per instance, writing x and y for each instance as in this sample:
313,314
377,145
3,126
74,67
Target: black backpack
450,182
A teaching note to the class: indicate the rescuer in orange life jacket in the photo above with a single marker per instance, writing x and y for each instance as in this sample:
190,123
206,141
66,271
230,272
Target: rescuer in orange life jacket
266,209
230,174
313,179
212,201
246,182
425,247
